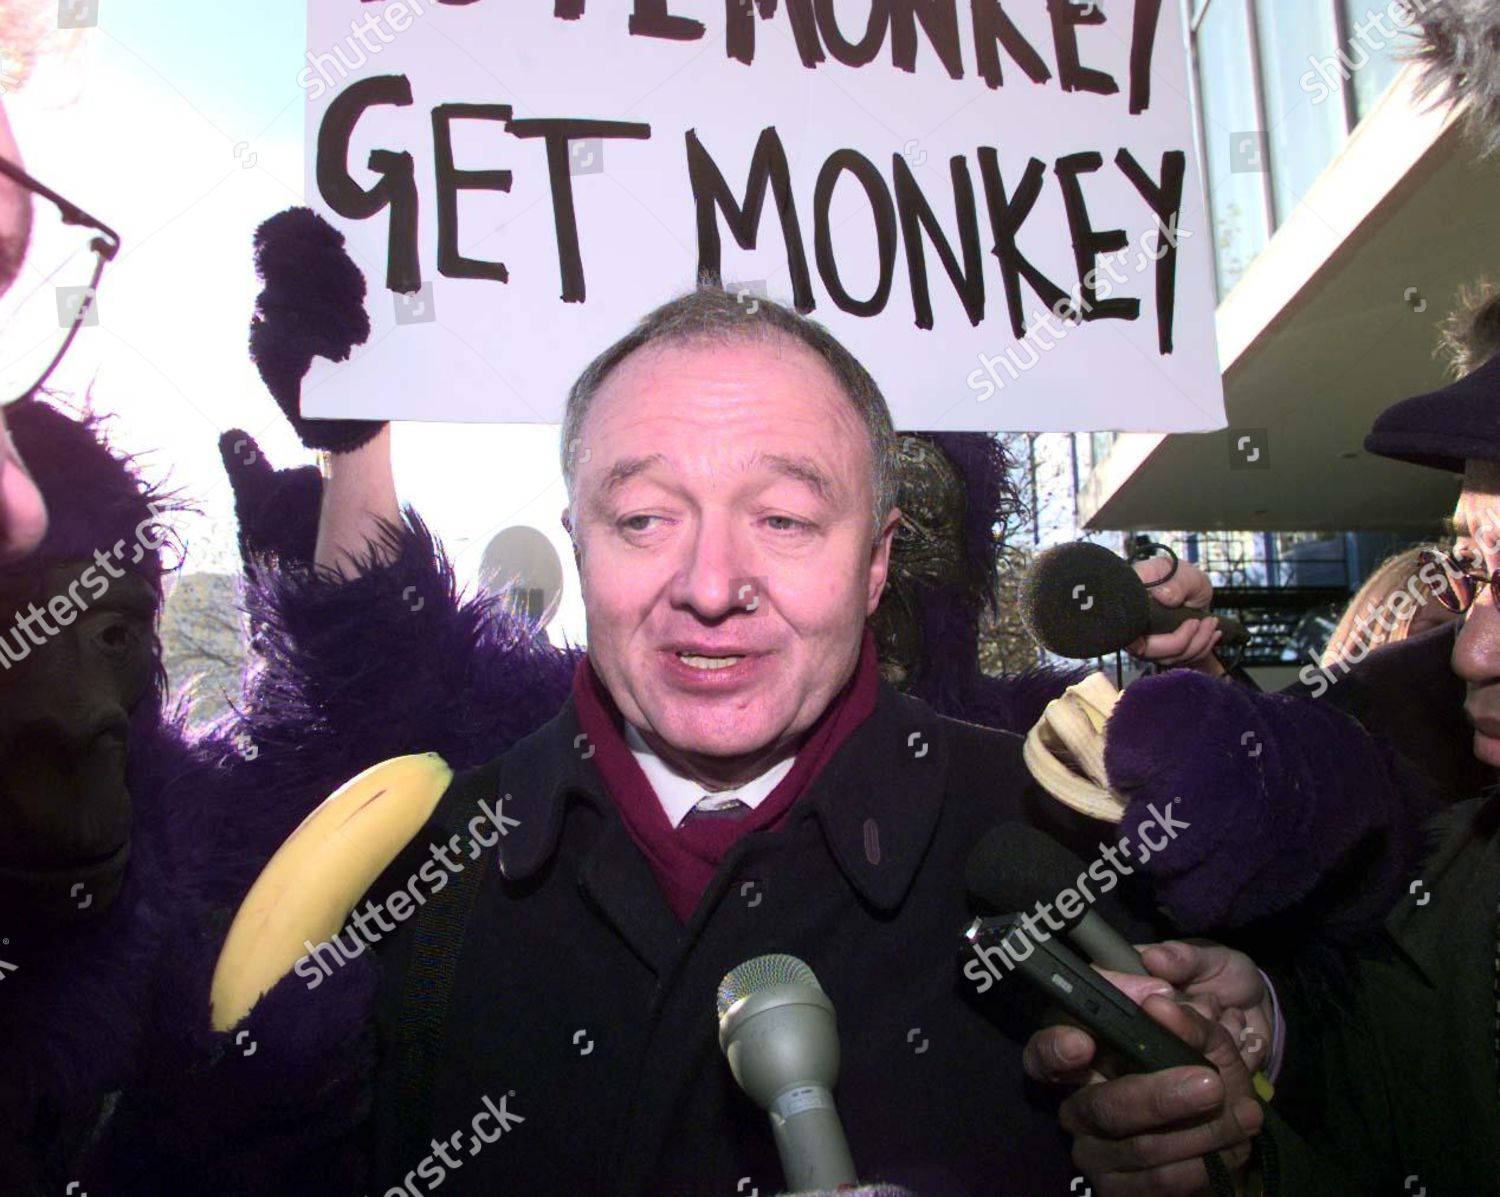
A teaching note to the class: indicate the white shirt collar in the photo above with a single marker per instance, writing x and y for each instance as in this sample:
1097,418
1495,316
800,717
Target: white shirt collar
678,794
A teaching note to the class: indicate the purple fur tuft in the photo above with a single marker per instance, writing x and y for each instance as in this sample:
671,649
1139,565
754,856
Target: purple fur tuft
390,663
96,499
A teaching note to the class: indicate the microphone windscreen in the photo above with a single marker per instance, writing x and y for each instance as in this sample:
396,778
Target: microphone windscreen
1080,601
1014,866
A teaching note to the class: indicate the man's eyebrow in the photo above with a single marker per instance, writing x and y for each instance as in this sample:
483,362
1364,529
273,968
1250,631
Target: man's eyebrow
624,470
804,470
1458,527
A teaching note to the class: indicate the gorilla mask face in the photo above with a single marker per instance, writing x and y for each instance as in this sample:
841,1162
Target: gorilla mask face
77,655
928,551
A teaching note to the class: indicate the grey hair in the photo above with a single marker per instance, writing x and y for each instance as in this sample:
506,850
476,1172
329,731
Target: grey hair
714,313
1458,55
1471,333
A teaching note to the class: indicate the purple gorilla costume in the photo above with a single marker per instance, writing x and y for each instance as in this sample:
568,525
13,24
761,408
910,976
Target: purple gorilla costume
109,1074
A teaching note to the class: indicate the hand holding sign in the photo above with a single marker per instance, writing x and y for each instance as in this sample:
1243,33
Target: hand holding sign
312,306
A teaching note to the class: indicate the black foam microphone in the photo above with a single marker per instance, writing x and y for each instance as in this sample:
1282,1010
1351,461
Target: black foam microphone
1015,866
1082,601
776,1027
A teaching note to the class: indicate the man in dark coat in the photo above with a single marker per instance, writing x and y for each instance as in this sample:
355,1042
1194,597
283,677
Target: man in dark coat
1392,1079
728,776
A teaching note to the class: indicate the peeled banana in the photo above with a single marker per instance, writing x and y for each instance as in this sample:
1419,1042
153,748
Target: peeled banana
308,888
1065,750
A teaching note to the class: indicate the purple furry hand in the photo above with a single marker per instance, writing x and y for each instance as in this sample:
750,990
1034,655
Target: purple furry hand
277,510
1278,804
274,1105
312,305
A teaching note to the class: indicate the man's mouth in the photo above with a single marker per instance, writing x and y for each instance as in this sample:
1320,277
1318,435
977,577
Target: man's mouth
1485,727
700,661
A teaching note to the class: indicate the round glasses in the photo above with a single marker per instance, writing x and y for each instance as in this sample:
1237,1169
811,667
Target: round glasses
1453,584
51,294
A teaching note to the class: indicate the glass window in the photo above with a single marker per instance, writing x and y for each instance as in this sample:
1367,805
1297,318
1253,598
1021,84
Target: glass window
1305,121
1373,52
1234,148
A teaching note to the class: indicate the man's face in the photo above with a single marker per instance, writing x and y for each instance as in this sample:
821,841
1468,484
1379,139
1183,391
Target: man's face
15,213
1476,655
721,515
23,517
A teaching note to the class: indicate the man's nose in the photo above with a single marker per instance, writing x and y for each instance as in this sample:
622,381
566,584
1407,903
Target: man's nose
23,514
716,568
1476,655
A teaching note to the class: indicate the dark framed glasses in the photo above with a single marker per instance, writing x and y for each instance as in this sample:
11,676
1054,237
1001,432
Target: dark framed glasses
1454,584
52,294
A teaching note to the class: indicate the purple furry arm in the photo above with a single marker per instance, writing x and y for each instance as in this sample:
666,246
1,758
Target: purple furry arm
1279,806
391,662
1010,703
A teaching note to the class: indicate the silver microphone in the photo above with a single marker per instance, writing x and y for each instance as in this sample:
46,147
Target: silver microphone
777,1029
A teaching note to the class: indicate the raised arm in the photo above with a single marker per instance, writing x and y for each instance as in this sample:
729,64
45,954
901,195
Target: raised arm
359,500
312,305
365,650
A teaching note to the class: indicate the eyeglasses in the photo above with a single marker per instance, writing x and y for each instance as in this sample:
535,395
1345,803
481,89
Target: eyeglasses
52,295
1458,587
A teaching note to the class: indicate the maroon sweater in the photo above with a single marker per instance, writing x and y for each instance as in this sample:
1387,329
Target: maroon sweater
685,858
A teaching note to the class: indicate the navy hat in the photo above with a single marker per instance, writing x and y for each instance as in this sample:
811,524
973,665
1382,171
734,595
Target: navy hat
1446,428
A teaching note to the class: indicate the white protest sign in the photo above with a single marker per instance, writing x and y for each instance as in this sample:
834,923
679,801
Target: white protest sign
995,204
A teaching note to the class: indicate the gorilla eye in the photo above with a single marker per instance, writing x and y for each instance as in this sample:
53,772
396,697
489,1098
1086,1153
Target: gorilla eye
118,638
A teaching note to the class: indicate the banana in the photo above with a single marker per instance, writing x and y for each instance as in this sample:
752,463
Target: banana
1099,697
1065,750
309,887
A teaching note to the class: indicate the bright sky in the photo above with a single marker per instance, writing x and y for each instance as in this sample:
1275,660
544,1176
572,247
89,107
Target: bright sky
182,129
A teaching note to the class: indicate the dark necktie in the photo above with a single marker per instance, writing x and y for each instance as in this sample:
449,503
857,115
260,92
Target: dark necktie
710,807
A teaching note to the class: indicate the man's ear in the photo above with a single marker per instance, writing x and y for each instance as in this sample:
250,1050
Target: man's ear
567,523
880,560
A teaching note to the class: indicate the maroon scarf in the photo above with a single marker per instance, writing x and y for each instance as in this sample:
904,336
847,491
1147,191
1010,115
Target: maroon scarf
685,858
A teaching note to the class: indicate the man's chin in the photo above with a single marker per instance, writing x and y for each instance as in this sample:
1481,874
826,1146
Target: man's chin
727,746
